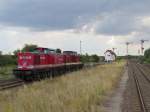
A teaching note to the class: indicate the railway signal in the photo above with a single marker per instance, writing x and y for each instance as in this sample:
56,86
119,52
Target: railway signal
127,44
80,47
142,45
114,49
139,51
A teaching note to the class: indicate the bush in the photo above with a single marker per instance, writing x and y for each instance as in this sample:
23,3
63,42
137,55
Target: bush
147,56
93,58
8,60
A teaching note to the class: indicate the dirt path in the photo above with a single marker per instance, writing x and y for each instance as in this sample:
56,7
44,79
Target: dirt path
116,99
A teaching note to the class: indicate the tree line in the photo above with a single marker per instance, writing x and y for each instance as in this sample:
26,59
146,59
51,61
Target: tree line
11,59
146,57
91,58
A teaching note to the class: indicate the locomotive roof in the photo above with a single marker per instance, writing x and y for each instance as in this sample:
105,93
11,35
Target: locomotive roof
46,48
70,52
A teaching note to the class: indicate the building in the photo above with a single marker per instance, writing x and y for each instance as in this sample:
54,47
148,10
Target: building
110,56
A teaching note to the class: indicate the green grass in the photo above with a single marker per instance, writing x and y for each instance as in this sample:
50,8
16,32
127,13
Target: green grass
6,71
82,91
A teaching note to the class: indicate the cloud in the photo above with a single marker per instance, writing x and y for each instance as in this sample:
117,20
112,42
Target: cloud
66,14
116,24
47,14
101,24
13,38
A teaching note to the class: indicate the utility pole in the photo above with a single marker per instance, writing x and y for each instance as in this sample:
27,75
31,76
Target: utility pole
139,51
118,53
80,47
142,46
127,44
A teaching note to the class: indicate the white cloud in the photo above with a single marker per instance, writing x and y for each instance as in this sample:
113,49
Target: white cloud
11,39
62,24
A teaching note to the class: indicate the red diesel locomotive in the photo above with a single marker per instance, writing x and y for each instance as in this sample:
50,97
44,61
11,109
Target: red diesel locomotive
44,62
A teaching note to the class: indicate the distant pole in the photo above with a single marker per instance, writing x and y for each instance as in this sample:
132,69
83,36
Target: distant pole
127,49
139,51
80,47
127,44
118,53
142,46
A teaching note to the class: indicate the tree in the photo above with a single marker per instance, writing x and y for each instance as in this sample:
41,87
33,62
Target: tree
26,48
147,53
29,48
16,51
58,50
0,52
147,56
94,58
7,60
85,58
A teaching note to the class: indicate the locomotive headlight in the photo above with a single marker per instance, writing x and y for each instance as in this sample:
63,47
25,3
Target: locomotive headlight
19,66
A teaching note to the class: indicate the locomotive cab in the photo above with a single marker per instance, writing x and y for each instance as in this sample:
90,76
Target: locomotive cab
27,60
27,63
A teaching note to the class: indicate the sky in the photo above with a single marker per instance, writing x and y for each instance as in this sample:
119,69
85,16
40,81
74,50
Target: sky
99,24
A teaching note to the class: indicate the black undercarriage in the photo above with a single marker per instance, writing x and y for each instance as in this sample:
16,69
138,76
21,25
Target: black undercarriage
38,74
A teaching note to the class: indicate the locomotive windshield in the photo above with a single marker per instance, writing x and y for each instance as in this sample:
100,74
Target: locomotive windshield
45,50
70,52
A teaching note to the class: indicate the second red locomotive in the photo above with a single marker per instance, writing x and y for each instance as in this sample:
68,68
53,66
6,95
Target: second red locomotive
44,62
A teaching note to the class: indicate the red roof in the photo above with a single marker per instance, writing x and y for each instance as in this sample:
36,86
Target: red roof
113,53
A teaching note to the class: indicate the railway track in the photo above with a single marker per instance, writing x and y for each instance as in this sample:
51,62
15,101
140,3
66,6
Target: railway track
140,88
140,95
10,83
7,83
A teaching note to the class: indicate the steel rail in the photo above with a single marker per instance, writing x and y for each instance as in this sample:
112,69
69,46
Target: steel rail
7,84
142,104
140,69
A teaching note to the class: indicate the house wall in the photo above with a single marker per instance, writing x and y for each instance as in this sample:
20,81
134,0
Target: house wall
109,56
